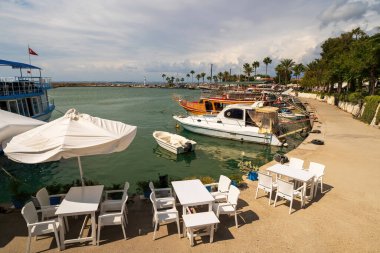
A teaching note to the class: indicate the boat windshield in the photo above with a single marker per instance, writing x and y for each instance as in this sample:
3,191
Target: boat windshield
265,120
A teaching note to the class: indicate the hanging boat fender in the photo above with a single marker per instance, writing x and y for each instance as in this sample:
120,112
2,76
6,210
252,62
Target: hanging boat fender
187,147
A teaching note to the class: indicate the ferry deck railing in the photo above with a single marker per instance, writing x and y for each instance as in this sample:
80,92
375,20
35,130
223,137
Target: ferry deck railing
13,86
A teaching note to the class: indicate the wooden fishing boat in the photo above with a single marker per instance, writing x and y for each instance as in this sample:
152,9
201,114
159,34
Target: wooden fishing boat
211,105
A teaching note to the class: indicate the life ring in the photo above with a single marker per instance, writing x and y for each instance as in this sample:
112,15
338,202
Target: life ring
318,142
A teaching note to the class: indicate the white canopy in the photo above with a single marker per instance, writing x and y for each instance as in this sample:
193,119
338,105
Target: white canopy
12,124
72,135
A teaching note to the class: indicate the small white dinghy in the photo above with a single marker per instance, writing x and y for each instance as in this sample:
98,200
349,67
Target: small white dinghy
174,142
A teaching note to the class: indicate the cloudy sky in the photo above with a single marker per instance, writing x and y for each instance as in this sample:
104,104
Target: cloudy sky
125,40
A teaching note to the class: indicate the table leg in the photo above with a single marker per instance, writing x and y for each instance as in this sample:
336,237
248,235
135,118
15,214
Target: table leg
312,189
210,207
183,209
61,232
191,237
212,233
184,229
93,228
304,193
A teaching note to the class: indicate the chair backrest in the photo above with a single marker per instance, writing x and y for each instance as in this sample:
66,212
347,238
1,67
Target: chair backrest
295,163
123,206
285,188
224,184
43,197
29,213
125,193
317,168
153,200
265,180
151,186
233,195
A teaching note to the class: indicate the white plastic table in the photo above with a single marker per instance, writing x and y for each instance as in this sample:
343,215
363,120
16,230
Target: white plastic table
297,174
79,201
194,221
192,193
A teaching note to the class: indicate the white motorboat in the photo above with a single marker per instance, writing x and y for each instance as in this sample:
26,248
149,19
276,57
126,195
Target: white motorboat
174,142
237,122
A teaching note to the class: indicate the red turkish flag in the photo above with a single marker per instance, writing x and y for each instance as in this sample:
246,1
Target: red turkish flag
32,52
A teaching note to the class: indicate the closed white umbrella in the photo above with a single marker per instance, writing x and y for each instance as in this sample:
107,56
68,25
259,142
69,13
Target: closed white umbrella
12,124
73,135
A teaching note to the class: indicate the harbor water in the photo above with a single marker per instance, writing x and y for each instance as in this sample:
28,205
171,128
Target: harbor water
148,109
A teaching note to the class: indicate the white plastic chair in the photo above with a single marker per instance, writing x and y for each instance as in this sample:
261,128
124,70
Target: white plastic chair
110,219
35,227
223,187
295,163
114,204
286,191
163,216
318,170
266,183
43,198
228,207
47,210
162,202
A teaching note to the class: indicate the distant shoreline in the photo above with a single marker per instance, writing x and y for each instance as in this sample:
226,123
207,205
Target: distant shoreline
104,84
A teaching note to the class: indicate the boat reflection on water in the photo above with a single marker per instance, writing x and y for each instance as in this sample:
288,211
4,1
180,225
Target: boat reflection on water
163,153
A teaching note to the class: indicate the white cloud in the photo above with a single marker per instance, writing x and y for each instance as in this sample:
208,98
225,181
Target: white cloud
127,40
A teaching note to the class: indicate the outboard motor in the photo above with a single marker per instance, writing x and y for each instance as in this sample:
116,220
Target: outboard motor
187,147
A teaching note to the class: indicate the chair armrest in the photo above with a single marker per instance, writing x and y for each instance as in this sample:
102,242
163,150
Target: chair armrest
162,189
212,184
113,191
300,188
42,223
109,215
46,208
167,212
58,195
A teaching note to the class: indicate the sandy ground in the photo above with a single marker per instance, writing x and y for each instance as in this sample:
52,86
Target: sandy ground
345,218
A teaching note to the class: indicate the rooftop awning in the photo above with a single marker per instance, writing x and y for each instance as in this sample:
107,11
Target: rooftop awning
17,65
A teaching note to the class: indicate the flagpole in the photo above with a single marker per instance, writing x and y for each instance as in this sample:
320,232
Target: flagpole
30,63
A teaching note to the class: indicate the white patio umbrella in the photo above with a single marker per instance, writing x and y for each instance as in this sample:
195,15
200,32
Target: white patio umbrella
12,124
73,135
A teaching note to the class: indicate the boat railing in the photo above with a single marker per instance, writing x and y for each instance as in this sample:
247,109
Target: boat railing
13,86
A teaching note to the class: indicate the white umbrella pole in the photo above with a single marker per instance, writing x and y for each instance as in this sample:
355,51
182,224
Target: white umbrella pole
80,170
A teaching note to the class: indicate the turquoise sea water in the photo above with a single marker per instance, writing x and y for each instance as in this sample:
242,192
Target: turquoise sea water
149,110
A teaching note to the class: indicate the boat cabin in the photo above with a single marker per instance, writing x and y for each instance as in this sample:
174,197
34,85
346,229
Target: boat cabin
265,118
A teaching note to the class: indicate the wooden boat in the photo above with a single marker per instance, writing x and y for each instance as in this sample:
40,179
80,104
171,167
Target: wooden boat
173,142
211,105
238,122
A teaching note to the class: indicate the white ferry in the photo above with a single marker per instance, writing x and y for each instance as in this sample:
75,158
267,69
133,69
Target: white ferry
25,94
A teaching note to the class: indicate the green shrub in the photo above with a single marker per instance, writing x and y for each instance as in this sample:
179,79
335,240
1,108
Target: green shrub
371,103
355,97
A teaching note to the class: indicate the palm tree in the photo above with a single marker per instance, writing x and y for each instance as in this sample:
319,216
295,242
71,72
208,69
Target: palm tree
163,77
288,65
267,61
220,76
215,78
203,74
192,73
226,74
182,79
247,69
255,65
208,78
298,69
188,76
280,71
198,76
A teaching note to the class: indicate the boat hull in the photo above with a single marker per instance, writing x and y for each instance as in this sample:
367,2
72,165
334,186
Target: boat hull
173,142
247,134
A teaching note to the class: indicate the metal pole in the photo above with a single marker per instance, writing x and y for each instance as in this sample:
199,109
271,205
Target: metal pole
211,73
80,171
